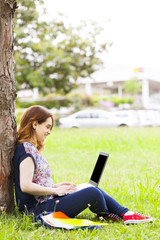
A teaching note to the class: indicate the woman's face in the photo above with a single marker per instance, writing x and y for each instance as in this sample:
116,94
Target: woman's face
42,130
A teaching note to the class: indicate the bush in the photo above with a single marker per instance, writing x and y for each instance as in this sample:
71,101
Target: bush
79,101
114,100
48,103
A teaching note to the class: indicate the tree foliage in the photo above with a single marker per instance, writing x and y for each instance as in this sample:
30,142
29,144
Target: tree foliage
52,55
133,86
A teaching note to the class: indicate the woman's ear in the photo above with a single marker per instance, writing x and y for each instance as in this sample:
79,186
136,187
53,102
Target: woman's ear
34,125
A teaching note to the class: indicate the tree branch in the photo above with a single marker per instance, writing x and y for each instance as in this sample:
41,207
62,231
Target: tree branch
12,4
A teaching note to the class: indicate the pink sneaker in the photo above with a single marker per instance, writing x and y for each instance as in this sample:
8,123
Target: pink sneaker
111,216
136,218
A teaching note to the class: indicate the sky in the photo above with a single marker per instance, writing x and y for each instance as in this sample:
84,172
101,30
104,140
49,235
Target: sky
133,28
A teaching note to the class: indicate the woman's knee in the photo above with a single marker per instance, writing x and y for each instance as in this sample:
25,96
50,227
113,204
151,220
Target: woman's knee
93,192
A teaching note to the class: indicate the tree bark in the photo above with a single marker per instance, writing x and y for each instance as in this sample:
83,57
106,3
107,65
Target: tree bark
7,103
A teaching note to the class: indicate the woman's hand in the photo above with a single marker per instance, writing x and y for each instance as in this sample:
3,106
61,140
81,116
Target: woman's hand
65,188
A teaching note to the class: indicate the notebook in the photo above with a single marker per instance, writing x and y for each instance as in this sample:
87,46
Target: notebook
97,172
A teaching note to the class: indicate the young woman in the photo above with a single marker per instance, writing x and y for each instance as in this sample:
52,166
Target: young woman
34,188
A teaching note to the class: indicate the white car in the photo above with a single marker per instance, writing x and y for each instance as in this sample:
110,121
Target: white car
126,118
148,118
92,118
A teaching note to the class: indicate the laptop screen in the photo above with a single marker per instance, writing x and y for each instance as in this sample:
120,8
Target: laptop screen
99,167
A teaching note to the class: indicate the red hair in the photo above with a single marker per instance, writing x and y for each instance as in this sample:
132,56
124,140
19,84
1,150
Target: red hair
26,131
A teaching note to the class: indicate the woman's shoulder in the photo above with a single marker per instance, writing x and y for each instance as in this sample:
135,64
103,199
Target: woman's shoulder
24,150
21,144
27,146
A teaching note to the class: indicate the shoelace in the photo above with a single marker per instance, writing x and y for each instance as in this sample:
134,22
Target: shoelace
110,216
113,216
138,214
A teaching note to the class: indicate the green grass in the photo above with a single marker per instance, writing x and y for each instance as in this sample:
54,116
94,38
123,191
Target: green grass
131,176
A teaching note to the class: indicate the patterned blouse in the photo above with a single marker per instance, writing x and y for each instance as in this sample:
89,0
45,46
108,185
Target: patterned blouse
42,173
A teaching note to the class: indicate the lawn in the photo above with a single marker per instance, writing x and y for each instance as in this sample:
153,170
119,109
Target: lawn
131,176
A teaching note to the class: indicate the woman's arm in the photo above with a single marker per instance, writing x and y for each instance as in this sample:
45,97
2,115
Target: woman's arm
64,183
27,186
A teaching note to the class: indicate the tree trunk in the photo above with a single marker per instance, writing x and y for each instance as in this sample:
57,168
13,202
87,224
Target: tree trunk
7,103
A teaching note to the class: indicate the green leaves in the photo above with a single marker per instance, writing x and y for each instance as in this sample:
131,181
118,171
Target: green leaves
133,86
53,55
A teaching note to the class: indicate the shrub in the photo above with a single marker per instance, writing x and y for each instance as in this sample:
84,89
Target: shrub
48,103
114,100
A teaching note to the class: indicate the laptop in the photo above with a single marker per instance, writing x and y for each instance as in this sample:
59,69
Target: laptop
97,172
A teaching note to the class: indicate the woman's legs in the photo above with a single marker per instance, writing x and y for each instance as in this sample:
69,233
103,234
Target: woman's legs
74,203
94,198
113,205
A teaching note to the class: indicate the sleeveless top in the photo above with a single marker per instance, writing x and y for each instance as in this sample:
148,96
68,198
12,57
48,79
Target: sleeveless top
42,175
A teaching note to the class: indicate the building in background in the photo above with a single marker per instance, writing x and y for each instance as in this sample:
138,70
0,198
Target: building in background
109,82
